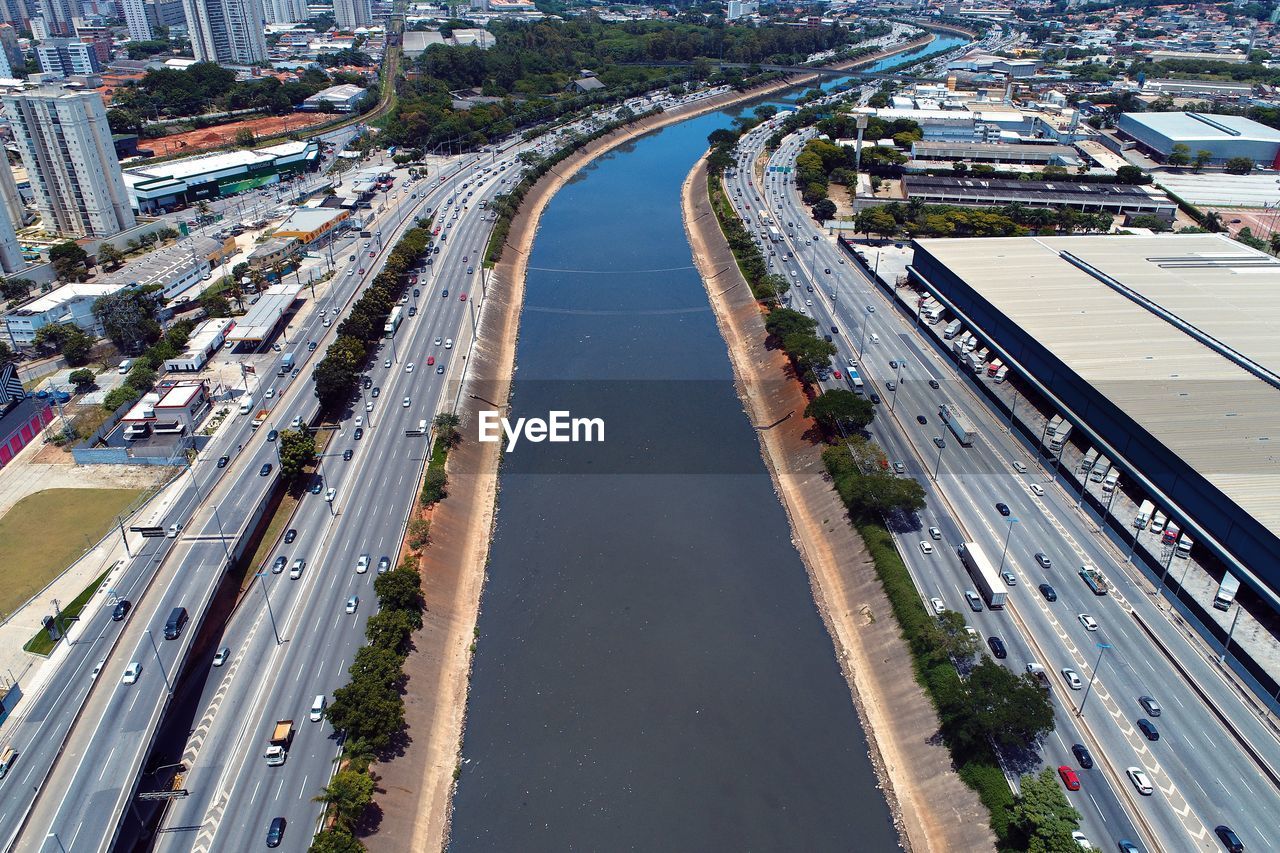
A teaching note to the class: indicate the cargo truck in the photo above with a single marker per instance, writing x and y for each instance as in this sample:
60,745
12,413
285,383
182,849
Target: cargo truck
286,364
994,367
957,423
1171,532
1100,468
953,328
1002,373
1184,547
1158,521
1144,515
972,361
260,418
1094,579
1089,459
1060,437
983,574
278,745
1113,478
1226,592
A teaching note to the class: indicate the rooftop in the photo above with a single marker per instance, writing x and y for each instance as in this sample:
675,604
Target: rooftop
1178,331
307,219
1204,126
261,319
62,295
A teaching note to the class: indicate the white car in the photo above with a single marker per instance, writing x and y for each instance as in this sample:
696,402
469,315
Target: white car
295,423
405,404
1072,678
174,530
448,343
1037,489
1089,623
926,548
938,606
271,392
1019,467
1081,841
131,673
221,657
328,321
331,494
439,341
1140,781
362,564
368,407
97,669
359,420
386,363
935,533
408,368
352,603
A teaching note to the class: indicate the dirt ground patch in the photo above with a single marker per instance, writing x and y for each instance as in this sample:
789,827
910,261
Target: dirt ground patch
50,467
932,808
193,141
45,532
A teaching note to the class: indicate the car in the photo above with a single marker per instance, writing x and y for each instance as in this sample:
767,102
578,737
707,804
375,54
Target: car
359,420
131,673
358,434
311,346
444,294
368,383
413,310
448,343
1009,578
221,657
938,442
223,460
386,363
1019,467
1082,755
295,571
871,309
368,407
899,467
121,610
174,530
362,564
346,455
926,548
439,341
851,362
97,670
889,386
278,566
997,647
376,391
1127,846
431,359
1072,678
275,832
1081,841
1091,624
937,605
921,419
1036,489
405,404
265,469
328,321
317,487
808,302
1002,508
290,535
273,435
416,292
296,422
352,603
440,369
875,398
827,270
1048,592
975,600
330,494
1148,729
893,364
1044,561
1069,778
384,564
1229,839
1138,777
935,533
408,368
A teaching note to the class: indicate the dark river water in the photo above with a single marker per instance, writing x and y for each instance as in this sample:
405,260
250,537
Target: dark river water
651,671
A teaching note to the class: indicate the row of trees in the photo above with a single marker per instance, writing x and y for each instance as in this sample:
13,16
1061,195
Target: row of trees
916,219
369,709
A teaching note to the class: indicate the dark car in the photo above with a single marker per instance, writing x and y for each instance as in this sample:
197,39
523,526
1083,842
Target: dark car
1229,839
1127,846
275,832
273,435
317,487
346,455
121,611
311,346
893,364
413,311
377,389
290,535
937,440
1048,592
368,383
265,469
1081,752
933,383
223,460
1148,729
444,294
384,563
278,566
1003,509
359,433
417,292
997,647
875,398
921,419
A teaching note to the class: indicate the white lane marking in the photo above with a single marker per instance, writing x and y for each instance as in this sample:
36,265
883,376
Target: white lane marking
107,763
302,789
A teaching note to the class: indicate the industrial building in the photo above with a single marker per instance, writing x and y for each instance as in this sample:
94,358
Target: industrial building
1160,350
181,182
987,152
1092,198
71,303
1222,136
343,99
175,269
205,340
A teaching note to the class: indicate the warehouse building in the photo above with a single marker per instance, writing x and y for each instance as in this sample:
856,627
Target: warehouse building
994,152
176,183
1223,137
1092,198
1161,350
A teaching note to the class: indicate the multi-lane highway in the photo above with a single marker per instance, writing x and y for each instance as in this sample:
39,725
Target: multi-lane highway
1202,775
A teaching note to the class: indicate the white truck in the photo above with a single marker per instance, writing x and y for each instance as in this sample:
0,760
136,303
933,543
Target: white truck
1089,459
1226,592
1144,515
1002,373
1113,479
1100,468
1183,551
1060,436
1158,520
953,328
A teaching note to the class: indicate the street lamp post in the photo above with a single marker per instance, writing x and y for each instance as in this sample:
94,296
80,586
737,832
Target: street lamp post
1007,536
160,661
938,462
1102,647
1222,658
267,598
896,382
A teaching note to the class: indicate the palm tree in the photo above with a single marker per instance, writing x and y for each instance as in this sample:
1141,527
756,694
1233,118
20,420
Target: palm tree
1212,221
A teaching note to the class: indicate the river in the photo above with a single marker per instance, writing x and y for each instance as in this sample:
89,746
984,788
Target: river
651,671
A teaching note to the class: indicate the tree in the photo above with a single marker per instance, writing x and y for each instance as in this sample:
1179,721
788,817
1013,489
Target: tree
1203,157
16,288
956,641
435,485
348,793
1180,155
391,629
1132,175
877,220
7,354
401,590
84,379
126,317
297,451
1008,709
69,339
841,406
419,533
446,424
784,322
825,209
1212,222
1042,818
335,841
377,668
808,351
370,718
69,260
244,137
1239,166
109,256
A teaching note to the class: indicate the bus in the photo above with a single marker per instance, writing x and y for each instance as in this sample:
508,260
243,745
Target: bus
774,234
393,322
983,574
958,423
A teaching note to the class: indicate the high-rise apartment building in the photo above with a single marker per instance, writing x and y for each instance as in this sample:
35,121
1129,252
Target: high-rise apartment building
135,17
11,60
350,14
66,146
16,12
67,56
58,16
227,31
285,11
164,13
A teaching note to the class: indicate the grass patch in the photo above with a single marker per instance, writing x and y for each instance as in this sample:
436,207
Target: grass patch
46,532
40,644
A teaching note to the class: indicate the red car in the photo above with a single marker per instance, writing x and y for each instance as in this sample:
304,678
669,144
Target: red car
431,359
836,374
1069,778
373,254
437,230
462,298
